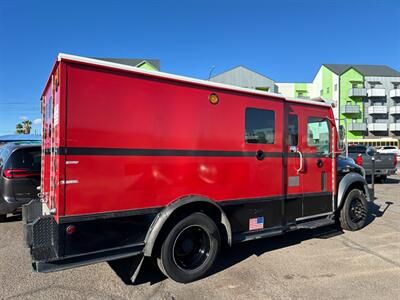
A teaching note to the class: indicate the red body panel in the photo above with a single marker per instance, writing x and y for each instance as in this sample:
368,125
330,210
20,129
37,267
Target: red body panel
104,108
113,110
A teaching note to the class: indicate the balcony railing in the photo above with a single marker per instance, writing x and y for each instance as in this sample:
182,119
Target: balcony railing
303,97
381,109
377,126
395,110
357,126
395,93
350,109
394,127
376,92
357,92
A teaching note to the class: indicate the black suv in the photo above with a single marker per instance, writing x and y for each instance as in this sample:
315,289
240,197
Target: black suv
19,176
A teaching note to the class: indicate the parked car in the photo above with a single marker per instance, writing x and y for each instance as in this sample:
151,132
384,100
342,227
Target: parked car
19,176
385,163
389,149
20,138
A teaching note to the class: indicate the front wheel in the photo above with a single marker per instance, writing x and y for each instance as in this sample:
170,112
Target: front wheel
3,218
190,249
353,215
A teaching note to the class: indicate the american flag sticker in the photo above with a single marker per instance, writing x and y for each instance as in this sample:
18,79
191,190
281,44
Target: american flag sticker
256,223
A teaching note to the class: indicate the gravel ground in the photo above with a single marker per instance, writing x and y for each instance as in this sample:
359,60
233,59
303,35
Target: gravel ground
309,264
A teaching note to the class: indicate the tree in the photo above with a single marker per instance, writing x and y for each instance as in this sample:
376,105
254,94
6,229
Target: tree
24,127
27,126
19,129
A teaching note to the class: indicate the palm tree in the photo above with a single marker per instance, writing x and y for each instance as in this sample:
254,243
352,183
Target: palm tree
19,129
27,126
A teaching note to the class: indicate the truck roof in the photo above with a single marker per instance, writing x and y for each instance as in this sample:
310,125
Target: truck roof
113,65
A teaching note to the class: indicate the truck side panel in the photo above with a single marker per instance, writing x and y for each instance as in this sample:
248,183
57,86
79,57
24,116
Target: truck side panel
133,154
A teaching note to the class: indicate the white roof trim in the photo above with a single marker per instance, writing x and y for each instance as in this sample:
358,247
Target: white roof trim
62,56
312,102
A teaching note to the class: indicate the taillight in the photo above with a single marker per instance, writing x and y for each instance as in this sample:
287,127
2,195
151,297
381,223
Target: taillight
395,160
359,160
19,173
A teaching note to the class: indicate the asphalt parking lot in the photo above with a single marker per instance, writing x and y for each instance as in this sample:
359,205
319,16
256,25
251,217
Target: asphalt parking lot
318,264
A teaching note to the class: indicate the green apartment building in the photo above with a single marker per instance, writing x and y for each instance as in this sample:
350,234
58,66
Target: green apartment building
366,98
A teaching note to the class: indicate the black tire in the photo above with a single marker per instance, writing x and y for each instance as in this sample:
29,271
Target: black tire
3,218
378,179
190,249
354,213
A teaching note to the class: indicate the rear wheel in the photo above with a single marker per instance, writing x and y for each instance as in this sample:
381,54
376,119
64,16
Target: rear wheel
353,215
190,249
3,218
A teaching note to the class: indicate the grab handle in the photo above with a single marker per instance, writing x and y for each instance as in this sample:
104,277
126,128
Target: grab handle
301,162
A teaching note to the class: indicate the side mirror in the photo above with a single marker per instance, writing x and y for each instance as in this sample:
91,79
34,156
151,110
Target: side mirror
370,151
342,135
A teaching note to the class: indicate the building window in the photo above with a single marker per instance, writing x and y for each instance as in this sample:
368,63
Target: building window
327,90
262,88
260,126
335,87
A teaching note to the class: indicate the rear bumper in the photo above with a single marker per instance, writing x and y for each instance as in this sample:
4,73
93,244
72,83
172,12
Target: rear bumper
52,249
8,207
380,172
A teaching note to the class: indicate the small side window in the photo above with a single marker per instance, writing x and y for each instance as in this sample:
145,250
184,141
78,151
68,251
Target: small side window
318,134
260,126
293,130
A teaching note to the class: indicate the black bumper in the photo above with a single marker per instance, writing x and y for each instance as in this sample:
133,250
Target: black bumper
98,240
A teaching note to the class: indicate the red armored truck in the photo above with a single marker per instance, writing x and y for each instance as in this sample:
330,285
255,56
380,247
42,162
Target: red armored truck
136,162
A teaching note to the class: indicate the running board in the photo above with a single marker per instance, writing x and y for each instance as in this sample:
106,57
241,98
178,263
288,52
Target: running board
258,234
315,223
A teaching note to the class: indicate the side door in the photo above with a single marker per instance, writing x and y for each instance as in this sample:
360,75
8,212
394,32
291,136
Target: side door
309,165
318,166
293,162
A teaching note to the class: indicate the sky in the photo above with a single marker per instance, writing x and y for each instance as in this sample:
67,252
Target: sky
286,40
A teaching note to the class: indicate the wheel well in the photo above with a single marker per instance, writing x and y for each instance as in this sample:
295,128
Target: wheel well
355,185
185,210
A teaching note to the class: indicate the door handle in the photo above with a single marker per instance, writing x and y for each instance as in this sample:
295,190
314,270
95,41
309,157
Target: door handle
260,154
301,162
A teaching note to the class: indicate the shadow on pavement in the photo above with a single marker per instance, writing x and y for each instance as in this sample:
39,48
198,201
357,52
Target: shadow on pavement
375,211
149,273
13,218
390,180
230,256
